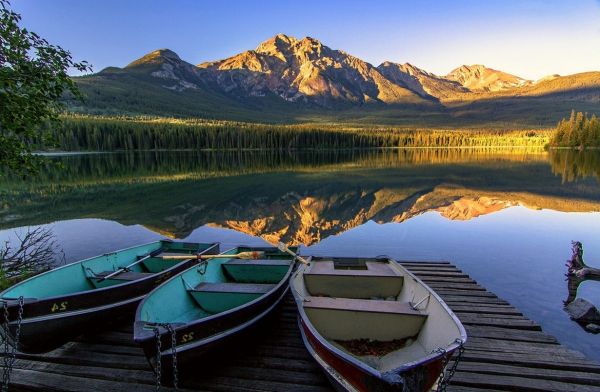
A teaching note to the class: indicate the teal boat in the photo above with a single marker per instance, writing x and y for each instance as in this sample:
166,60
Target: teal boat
208,306
51,308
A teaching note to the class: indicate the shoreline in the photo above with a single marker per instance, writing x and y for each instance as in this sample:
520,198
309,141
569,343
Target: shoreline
310,149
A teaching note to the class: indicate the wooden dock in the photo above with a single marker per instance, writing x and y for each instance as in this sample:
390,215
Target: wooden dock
505,352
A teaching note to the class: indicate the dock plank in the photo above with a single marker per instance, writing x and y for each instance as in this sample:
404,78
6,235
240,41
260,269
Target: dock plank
508,334
515,383
31,380
522,371
124,375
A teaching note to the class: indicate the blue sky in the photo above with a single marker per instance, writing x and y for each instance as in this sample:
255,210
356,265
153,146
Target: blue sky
528,38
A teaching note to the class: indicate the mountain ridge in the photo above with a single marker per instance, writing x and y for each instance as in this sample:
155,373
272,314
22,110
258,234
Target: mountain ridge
285,73
305,70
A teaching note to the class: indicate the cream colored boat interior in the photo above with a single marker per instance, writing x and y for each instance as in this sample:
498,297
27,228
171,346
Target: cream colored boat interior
353,299
364,280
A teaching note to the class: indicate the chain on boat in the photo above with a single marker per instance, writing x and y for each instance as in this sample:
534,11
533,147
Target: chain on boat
158,364
9,353
173,354
447,374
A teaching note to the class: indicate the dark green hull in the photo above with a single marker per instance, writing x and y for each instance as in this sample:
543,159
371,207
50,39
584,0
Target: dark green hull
210,308
71,300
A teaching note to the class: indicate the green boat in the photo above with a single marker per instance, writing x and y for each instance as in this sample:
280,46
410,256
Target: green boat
208,306
52,308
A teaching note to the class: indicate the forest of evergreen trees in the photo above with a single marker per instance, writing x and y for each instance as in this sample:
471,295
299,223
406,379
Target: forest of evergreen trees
579,130
87,133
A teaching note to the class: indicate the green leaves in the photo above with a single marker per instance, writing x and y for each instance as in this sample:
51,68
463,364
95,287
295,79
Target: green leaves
33,77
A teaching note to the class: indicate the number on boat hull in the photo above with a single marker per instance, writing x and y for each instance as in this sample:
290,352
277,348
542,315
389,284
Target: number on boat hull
59,307
188,337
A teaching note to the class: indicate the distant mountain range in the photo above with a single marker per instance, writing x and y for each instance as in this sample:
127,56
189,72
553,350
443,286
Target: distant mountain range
289,79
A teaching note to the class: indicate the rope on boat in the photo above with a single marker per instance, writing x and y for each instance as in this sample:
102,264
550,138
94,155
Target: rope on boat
9,353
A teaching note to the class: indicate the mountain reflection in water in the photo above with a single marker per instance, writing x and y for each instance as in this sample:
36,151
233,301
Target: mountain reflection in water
300,197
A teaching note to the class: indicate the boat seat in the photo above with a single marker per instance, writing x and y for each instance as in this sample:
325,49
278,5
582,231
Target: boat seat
256,271
361,305
157,264
374,280
242,288
349,318
220,297
127,275
371,268
265,262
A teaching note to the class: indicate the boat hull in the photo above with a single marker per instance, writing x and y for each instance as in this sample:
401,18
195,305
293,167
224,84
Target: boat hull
46,333
49,323
198,338
345,376
213,350
48,330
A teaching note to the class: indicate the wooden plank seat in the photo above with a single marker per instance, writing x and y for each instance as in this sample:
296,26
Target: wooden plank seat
158,264
242,288
361,305
259,262
379,269
377,280
349,318
256,271
220,297
128,275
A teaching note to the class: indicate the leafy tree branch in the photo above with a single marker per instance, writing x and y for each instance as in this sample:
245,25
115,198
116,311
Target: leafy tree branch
33,78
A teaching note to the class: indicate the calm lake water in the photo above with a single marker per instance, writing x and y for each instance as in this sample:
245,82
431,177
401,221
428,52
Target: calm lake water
506,217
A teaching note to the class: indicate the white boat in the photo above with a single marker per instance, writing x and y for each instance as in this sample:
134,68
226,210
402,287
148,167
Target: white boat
372,325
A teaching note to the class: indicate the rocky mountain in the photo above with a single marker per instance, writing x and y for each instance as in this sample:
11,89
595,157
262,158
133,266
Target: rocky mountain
481,78
166,65
305,70
287,79
422,82
583,84
159,83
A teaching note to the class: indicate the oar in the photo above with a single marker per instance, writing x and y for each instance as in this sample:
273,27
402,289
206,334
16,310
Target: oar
283,247
242,255
123,269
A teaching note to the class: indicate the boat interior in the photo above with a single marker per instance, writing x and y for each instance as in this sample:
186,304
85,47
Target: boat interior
120,267
373,310
215,286
125,269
